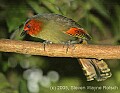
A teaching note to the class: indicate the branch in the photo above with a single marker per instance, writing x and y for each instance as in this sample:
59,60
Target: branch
59,50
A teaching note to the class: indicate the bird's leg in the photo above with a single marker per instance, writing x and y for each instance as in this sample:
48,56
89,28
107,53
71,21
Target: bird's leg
46,43
72,42
68,43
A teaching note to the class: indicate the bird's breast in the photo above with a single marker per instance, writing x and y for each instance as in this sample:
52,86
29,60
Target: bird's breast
55,32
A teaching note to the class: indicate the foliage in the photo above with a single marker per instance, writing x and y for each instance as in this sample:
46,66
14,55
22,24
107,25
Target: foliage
101,18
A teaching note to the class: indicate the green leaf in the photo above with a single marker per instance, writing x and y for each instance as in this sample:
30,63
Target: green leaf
16,15
98,5
23,87
52,7
97,22
116,22
37,8
3,81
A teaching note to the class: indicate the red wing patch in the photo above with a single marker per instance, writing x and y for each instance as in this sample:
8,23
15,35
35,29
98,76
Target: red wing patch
78,32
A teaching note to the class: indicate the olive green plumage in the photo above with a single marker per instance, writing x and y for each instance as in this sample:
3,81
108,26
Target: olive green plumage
55,27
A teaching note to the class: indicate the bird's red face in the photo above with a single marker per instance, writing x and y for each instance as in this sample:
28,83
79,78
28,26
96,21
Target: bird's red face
32,27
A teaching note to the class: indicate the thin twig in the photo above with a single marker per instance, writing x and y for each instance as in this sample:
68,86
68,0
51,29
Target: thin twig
59,50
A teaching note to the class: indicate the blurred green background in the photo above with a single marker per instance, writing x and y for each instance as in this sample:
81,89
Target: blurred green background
37,74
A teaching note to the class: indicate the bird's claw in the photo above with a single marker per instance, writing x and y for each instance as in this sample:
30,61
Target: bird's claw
46,43
68,44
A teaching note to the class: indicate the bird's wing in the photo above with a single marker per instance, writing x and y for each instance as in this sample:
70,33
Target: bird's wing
78,32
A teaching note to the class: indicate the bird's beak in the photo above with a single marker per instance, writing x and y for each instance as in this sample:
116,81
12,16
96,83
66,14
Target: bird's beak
23,33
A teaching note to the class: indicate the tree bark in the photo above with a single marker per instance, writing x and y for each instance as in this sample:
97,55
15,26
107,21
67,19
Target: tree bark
59,50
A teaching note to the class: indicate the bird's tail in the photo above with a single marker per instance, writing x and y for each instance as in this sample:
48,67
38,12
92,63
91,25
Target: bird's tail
95,69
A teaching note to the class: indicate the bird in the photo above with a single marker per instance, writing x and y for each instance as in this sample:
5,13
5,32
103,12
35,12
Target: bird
59,29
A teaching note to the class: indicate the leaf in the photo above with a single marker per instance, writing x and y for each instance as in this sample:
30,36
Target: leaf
23,86
52,7
3,81
37,8
98,5
116,22
15,16
97,22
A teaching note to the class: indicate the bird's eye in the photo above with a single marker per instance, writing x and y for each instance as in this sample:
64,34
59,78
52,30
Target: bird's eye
28,26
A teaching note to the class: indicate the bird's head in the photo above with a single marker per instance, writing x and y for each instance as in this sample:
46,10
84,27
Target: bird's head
32,27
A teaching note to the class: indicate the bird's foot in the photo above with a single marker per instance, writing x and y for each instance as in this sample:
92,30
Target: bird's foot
46,43
68,44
